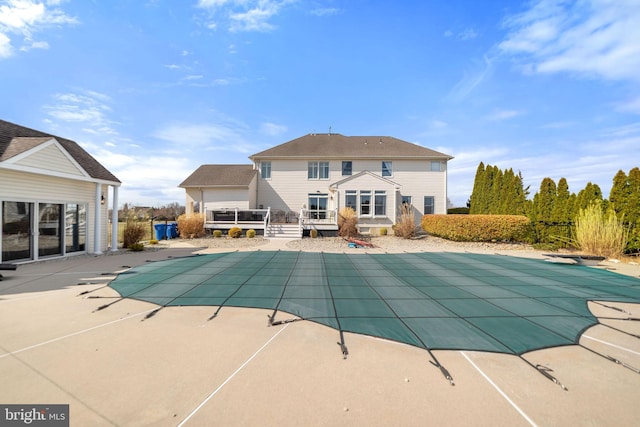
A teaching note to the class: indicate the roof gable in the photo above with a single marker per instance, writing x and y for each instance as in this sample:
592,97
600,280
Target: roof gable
333,145
366,174
220,175
35,155
16,140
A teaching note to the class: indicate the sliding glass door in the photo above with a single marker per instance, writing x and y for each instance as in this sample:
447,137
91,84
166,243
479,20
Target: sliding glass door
49,227
16,231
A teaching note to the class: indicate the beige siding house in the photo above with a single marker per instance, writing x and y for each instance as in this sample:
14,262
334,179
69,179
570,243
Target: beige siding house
309,179
54,197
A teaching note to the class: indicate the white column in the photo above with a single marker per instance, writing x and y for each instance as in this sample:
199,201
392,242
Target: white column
97,222
114,220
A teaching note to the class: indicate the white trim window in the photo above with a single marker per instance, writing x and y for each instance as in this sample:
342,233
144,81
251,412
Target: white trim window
318,170
387,168
380,203
351,199
437,166
347,167
265,170
367,203
429,205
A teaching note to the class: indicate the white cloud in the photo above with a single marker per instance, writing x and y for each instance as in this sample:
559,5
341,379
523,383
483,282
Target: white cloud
324,11
225,136
594,38
272,129
471,80
629,106
243,15
78,107
503,115
20,19
464,35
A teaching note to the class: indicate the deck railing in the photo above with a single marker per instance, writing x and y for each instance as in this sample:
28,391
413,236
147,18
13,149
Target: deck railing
236,216
327,216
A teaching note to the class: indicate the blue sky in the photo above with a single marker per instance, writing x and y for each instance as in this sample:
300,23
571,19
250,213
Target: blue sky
155,88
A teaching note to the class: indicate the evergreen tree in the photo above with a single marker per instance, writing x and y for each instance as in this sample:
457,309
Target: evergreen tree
562,209
590,193
495,206
477,196
620,193
543,202
632,213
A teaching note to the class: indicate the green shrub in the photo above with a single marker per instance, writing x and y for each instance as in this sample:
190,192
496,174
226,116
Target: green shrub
133,233
251,233
191,226
217,233
406,226
136,247
458,211
313,233
347,222
600,233
477,228
235,232
383,231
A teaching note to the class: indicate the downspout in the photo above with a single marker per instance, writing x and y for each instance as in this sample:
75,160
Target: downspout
114,220
97,222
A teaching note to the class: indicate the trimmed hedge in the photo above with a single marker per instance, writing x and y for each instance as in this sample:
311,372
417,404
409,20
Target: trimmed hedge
477,228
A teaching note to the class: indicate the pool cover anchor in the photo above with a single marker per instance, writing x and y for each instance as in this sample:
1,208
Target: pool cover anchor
621,363
343,346
271,322
621,310
151,314
443,370
544,370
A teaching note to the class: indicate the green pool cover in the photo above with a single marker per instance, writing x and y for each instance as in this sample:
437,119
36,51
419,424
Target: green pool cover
430,300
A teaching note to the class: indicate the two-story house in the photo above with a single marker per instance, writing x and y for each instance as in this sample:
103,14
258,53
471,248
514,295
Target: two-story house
309,179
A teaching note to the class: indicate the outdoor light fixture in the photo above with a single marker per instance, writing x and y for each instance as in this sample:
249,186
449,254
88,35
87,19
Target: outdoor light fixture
102,199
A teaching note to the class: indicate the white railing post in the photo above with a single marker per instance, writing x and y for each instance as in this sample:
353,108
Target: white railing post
266,219
236,216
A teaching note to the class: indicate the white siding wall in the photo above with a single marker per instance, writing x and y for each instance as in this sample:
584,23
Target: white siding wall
34,188
228,198
51,158
289,186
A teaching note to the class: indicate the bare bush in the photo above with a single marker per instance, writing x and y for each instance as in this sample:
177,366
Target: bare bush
406,226
600,233
347,222
134,232
191,226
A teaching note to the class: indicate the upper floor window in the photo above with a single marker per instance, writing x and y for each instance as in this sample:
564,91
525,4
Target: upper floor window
347,168
265,170
318,170
437,166
387,169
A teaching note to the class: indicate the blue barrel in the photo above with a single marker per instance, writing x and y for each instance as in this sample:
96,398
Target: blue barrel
172,229
161,231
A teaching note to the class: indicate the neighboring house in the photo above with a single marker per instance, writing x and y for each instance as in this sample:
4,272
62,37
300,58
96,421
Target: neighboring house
309,179
54,197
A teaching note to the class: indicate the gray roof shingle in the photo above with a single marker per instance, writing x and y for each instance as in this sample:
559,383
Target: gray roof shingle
334,145
220,175
16,139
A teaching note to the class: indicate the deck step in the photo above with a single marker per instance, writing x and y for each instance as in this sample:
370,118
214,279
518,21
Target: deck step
283,231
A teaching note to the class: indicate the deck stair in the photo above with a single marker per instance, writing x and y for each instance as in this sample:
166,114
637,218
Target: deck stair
283,231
